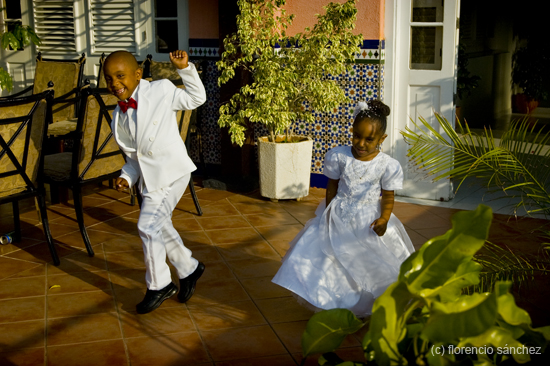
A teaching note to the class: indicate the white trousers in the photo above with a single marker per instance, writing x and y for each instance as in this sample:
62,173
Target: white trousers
160,238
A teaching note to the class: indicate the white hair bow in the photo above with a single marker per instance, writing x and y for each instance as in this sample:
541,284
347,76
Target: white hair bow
361,106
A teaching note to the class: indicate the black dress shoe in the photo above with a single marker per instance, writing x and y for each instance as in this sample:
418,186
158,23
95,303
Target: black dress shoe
187,284
154,298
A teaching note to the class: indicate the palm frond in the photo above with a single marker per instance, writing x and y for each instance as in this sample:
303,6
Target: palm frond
518,163
502,264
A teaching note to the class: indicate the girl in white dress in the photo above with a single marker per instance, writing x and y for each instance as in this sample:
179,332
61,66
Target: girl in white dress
351,252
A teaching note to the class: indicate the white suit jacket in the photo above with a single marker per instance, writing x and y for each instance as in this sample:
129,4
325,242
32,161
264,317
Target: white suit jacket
161,157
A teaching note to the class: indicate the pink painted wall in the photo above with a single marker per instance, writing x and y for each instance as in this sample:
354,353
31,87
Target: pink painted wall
203,19
370,16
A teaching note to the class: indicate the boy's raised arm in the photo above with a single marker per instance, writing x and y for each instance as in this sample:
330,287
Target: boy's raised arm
194,94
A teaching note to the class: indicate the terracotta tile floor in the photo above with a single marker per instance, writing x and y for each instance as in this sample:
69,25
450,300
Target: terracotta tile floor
83,312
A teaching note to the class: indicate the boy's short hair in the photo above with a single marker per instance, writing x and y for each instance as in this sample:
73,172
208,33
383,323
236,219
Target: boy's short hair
125,56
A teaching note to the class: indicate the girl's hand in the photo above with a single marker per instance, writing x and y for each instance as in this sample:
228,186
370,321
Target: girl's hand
179,59
379,226
121,184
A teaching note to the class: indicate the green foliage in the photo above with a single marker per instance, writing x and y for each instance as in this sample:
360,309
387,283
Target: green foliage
20,37
327,328
530,70
519,164
465,82
424,314
502,264
5,80
286,77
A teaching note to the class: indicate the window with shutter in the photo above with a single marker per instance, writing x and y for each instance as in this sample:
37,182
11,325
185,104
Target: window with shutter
113,26
54,24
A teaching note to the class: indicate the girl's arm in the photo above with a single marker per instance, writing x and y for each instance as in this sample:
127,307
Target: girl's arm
332,189
379,226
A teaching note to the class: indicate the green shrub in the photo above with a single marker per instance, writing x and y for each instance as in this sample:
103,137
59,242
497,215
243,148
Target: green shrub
20,37
424,315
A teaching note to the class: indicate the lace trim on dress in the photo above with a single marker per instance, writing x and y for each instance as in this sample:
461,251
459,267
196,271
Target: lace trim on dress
349,206
357,184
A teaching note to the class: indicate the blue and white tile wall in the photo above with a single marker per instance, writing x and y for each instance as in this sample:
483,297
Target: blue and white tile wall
206,144
363,81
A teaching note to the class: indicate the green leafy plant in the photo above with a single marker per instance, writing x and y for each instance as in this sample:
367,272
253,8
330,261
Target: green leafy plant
425,318
530,70
518,163
18,38
287,71
465,82
502,264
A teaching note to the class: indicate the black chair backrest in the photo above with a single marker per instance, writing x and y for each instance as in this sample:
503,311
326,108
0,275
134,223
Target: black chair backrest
67,76
22,134
96,154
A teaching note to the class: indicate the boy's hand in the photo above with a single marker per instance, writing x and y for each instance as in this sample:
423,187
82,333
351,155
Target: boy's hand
179,59
379,226
121,184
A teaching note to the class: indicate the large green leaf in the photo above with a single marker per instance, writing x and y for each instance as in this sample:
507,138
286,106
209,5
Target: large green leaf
438,260
507,308
326,330
500,338
467,274
387,327
516,320
469,316
439,359
332,359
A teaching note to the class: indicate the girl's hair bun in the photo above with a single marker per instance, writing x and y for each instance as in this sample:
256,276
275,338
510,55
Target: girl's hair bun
373,109
378,108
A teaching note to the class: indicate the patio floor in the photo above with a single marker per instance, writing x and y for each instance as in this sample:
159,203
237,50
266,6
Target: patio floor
83,312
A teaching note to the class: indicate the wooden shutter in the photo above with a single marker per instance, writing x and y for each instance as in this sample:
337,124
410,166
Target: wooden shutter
113,26
54,24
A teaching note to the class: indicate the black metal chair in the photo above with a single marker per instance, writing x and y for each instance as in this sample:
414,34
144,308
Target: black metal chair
22,134
67,78
185,119
95,157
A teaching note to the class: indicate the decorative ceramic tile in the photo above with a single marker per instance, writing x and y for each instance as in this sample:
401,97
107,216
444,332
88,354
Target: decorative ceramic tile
205,145
204,52
204,48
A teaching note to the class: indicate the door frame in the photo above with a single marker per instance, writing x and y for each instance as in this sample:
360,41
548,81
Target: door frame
397,96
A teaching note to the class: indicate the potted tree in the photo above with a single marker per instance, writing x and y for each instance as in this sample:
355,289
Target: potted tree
290,80
530,74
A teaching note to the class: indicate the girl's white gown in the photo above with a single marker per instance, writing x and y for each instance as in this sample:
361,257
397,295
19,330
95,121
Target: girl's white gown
337,260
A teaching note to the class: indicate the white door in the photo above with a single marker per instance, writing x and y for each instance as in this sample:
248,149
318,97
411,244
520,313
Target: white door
423,79
19,63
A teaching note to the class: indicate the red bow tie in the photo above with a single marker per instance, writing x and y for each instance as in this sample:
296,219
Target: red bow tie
131,103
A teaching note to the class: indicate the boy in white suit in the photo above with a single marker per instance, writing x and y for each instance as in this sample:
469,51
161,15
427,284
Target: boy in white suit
144,126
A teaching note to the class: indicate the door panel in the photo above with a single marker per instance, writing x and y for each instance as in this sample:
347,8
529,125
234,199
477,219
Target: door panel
426,39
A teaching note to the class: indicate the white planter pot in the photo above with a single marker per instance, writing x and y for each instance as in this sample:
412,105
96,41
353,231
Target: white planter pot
284,168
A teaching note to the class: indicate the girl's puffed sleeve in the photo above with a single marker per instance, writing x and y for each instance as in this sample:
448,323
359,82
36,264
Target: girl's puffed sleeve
392,178
332,168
